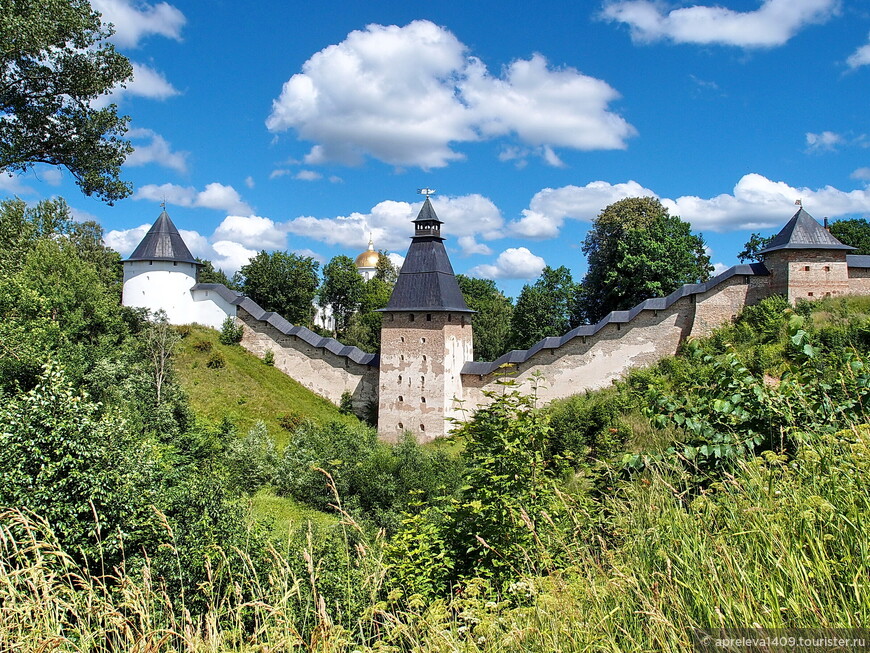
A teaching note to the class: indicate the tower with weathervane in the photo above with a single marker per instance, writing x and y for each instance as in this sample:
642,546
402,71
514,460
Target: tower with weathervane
426,338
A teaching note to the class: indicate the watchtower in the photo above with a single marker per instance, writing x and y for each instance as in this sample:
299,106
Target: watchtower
805,261
160,272
426,338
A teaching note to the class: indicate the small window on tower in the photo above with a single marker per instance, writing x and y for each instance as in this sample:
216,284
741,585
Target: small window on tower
400,426
422,428
806,268
175,264
411,317
422,400
827,268
428,317
401,398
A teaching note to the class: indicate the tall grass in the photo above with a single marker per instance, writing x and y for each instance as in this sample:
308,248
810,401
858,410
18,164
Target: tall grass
777,543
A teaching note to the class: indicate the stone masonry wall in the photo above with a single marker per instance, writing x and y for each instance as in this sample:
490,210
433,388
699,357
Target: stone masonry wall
594,362
859,281
421,358
315,368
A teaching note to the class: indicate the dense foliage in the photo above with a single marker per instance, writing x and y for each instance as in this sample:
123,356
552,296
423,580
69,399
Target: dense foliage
543,308
637,250
54,62
854,232
282,282
492,319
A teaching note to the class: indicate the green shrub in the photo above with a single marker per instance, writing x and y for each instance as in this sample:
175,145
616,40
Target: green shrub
269,357
216,361
231,331
290,421
345,406
203,346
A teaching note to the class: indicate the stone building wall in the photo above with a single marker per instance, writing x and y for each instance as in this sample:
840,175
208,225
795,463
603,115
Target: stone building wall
859,281
808,273
421,358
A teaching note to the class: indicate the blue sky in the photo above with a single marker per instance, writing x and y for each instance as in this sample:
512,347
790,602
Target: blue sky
307,127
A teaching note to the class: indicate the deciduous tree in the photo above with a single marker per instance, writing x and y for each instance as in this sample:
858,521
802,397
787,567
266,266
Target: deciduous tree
282,282
854,232
492,321
543,308
54,63
636,250
343,290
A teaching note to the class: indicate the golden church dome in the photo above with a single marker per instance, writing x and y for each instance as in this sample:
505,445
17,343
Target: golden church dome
369,258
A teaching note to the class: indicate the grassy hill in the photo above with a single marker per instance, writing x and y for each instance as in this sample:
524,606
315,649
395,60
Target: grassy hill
244,389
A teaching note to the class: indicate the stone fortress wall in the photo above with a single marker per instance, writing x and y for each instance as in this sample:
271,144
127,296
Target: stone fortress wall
426,375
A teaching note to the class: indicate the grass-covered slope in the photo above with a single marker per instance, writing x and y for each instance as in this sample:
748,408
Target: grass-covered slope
244,389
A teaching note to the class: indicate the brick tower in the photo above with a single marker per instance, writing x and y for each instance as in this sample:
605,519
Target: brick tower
805,261
425,340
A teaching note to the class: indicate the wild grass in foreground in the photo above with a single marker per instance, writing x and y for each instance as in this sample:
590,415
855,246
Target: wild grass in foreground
777,543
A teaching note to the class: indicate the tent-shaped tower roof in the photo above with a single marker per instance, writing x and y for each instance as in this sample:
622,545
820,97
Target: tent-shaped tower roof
162,243
426,281
803,232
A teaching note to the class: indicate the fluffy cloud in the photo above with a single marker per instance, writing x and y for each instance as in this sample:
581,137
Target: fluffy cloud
155,150
133,23
389,223
308,175
513,263
862,174
417,91
772,24
230,256
213,196
861,57
124,241
146,82
251,231
550,207
755,203
759,203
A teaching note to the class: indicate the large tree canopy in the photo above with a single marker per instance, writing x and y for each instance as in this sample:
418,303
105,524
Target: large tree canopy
54,62
854,232
492,321
343,290
637,250
282,282
543,308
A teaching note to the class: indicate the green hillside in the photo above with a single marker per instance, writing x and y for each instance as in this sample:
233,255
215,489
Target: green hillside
245,389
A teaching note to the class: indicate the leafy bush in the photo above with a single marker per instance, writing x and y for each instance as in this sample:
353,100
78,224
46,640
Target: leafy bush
587,426
203,346
269,357
216,361
231,331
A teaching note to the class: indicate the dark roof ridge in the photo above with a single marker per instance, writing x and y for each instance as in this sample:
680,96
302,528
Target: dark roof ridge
516,356
163,242
803,231
332,345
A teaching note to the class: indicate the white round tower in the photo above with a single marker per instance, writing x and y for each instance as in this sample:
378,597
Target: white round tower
160,272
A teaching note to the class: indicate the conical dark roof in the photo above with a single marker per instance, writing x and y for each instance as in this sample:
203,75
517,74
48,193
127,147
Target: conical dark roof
162,243
426,281
803,232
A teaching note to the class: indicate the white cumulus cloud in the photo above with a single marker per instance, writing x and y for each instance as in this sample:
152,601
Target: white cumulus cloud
213,196
860,57
135,21
389,223
251,231
772,24
417,92
513,263
550,207
155,149
146,82
759,203
124,241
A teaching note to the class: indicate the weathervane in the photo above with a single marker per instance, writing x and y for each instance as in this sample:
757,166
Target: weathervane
426,191
798,203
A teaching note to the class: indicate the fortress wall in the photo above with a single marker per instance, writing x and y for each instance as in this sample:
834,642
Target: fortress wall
593,362
859,281
721,304
316,368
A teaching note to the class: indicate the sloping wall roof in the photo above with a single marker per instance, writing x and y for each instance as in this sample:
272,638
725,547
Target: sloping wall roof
332,345
615,317
163,243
